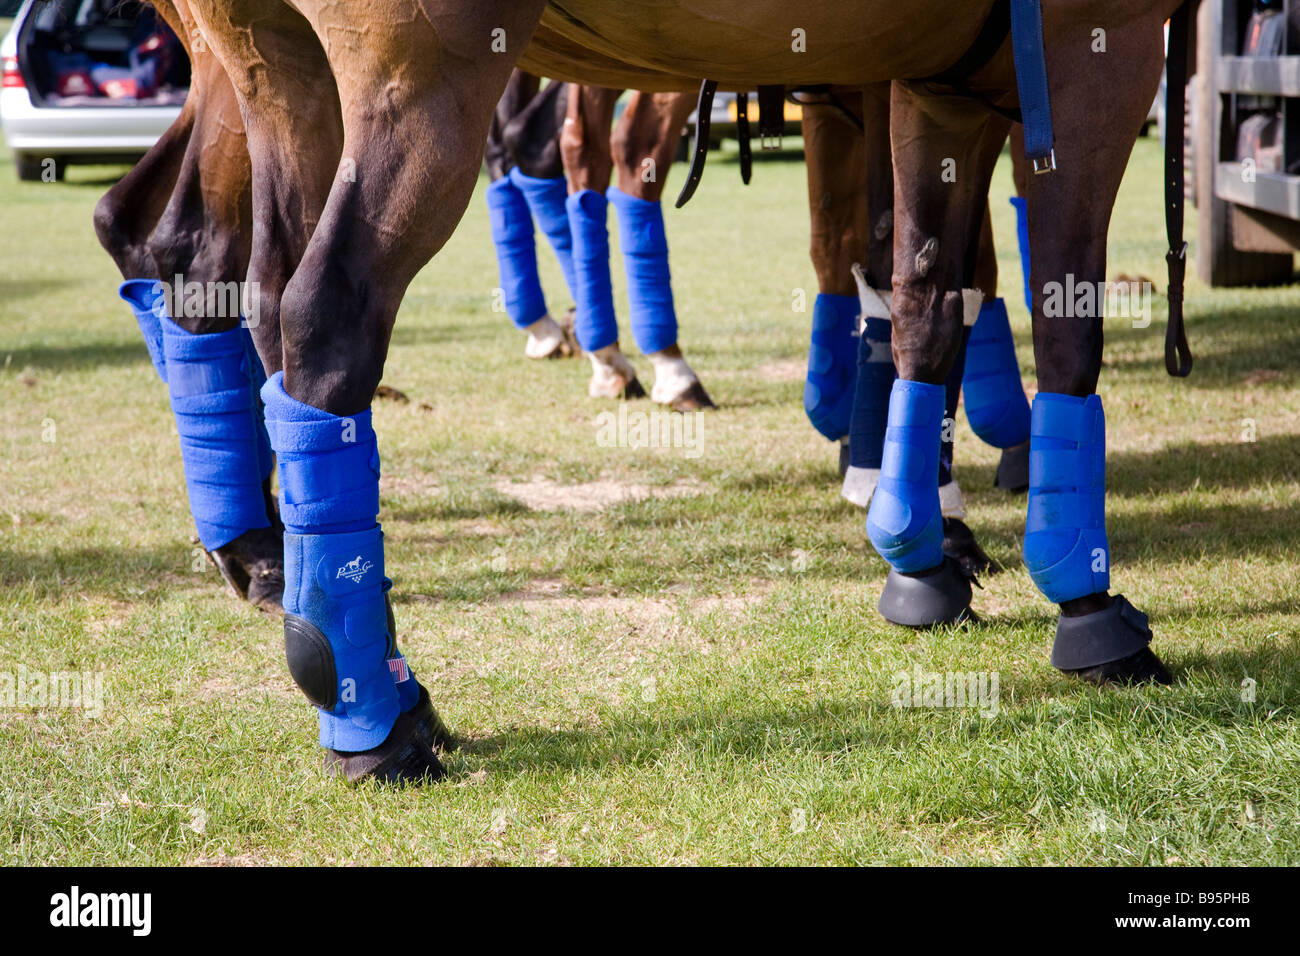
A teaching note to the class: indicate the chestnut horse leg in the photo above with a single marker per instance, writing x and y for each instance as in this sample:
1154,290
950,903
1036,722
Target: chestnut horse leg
523,162
643,145
589,166
181,220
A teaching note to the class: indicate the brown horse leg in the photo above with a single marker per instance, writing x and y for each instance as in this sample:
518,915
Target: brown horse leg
201,235
643,145
589,166
944,152
1100,638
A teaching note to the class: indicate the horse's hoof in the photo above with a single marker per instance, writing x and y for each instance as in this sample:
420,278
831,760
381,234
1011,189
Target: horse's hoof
547,339
403,757
846,459
693,399
430,726
959,544
941,596
612,375
1108,647
1013,469
253,566
568,325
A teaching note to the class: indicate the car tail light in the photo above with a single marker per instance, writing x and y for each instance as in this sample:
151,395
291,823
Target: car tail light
12,75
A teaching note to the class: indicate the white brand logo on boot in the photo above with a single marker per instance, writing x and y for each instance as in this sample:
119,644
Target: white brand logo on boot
354,570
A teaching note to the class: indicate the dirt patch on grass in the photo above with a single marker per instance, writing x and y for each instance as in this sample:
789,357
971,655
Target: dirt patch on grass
783,370
543,494
412,484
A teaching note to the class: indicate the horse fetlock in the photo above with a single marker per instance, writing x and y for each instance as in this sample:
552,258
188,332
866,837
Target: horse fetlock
612,375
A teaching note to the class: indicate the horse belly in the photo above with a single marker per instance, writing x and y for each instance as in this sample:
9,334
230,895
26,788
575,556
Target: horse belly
773,41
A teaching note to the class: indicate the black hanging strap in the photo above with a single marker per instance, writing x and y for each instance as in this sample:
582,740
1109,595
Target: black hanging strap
742,133
1178,356
703,117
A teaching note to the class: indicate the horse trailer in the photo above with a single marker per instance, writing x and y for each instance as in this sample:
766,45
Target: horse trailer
1243,137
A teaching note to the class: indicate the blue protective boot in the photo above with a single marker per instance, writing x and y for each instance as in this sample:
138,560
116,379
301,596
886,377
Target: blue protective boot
340,641
1021,205
595,325
213,382
828,394
546,199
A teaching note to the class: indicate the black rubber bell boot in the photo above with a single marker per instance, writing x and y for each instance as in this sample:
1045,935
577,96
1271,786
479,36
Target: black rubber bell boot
1013,469
1108,647
941,596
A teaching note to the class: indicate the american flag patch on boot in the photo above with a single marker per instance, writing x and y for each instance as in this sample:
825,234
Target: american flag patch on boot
397,667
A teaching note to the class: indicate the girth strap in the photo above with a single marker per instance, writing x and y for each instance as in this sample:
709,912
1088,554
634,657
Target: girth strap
1031,81
742,132
771,115
1178,355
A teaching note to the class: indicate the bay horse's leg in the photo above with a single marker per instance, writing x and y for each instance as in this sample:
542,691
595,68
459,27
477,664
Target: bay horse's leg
523,162
944,151
643,145
1100,112
589,166
196,247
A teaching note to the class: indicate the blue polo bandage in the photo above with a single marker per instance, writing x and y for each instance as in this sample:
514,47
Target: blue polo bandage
996,406
147,301
1066,549
546,202
595,325
213,381
1022,237
512,234
904,523
340,648
875,381
645,258
828,393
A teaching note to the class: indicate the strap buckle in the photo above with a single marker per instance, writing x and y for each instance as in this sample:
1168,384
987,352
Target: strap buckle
770,143
1045,164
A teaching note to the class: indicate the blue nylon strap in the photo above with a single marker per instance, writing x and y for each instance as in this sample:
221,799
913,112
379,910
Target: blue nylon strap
1066,548
996,406
645,259
329,465
595,324
831,381
1031,78
875,381
546,202
145,297
1021,206
512,234
212,381
904,522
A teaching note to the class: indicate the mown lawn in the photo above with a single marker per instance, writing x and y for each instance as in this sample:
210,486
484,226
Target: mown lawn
698,676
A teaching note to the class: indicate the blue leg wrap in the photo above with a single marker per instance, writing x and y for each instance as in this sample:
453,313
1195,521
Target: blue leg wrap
546,201
996,406
512,234
213,381
334,566
904,523
595,324
952,395
146,299
1066,549
645,257
1022,236
828,393
876,376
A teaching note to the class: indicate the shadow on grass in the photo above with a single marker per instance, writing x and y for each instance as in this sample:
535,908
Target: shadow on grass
79,355
13,290
1177,468
131,574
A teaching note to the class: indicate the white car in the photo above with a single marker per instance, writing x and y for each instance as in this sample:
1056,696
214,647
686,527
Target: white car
87,81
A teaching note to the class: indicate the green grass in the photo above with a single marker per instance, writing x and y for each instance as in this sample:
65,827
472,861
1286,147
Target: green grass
653,682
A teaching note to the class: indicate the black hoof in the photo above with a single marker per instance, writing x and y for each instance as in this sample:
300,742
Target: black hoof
429,725
1013,469
253,566
1108,647
941,596
633,389
959,544
403,757
694,399
846,458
